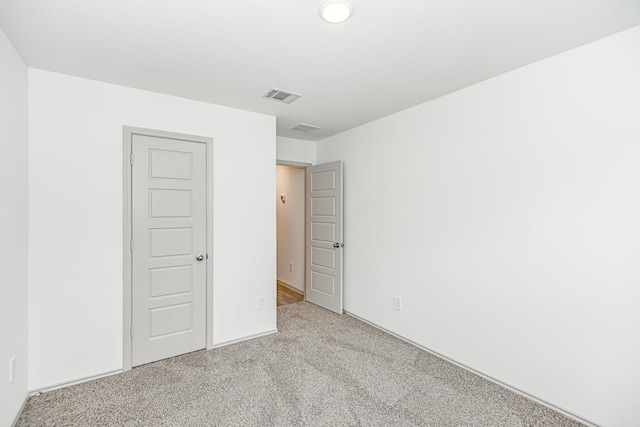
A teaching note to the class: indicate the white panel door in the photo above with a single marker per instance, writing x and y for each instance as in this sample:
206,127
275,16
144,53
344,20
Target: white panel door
324,236
169,221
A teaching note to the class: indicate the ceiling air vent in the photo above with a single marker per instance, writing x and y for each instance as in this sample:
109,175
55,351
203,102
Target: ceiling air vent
281,96
305,127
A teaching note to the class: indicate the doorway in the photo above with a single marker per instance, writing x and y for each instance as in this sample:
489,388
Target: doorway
290,226
167,267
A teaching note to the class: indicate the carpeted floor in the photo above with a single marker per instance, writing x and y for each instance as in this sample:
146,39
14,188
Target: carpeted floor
321,369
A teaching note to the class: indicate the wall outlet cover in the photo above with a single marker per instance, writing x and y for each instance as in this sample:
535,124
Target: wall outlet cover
12,369
397,303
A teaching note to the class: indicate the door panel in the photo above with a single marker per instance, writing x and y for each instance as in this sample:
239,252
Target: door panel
323,232
170,203
170,164
169,214
165,242
170,320
170,280
323,206
321,257
325,180
323,283
324,236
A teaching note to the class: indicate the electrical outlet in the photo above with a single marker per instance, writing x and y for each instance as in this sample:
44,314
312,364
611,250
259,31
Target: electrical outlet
261,305
397,303
12,369
291,267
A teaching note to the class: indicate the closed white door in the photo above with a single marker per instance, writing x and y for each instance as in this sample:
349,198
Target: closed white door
169,221
324,236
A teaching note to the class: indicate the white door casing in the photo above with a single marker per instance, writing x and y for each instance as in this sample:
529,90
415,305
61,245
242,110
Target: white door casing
169,261
324,246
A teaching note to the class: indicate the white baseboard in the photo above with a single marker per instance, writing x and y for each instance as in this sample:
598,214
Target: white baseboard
245,338
63,384
510,387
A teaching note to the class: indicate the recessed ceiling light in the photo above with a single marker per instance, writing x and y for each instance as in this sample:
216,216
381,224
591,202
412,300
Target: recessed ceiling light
335,11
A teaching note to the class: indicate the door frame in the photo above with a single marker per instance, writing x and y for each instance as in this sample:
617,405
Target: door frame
128,133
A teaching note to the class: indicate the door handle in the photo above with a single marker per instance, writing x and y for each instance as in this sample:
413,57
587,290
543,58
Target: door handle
336,245
200,257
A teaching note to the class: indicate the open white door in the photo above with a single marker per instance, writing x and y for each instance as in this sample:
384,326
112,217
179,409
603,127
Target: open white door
324,236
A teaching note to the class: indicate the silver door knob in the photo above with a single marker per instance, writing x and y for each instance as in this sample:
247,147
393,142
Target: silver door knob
336,245
199,257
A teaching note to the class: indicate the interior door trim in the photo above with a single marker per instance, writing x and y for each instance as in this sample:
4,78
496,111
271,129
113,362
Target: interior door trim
128,133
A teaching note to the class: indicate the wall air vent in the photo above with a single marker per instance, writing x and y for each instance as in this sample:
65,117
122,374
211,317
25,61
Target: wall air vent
305,127
281,96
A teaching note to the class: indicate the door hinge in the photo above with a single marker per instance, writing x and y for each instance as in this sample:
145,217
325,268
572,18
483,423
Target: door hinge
131,159
131,331
131,245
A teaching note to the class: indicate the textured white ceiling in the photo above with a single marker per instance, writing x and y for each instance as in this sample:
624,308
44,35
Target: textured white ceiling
389,56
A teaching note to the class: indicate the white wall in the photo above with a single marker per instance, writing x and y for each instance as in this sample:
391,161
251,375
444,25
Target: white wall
506,215
75,284
13,229
295,151
290,181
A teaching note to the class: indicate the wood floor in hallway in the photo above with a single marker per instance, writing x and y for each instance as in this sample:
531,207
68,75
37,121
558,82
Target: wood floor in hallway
288,296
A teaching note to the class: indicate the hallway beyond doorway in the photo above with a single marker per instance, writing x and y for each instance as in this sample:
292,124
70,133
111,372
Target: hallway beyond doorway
286,295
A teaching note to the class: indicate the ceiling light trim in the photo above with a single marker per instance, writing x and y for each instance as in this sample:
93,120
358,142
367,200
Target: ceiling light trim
335,11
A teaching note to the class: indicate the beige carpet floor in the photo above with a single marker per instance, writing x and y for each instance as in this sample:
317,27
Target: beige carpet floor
321,369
